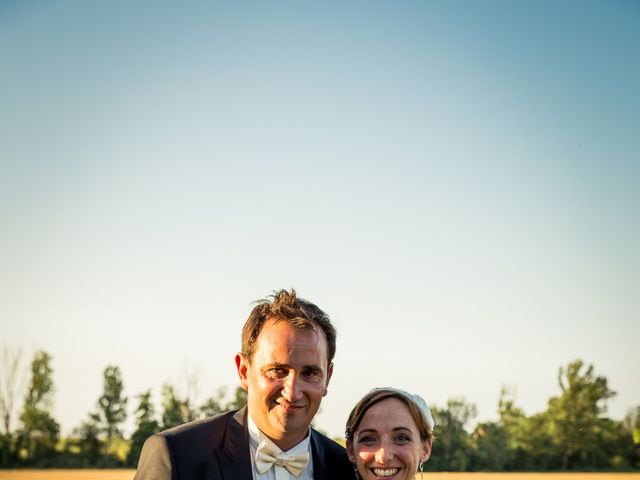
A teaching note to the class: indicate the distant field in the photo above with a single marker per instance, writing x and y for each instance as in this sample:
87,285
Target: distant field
529,476
128,475
66,474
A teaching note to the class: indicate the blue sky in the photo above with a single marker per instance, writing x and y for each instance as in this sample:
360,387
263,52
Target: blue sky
455,183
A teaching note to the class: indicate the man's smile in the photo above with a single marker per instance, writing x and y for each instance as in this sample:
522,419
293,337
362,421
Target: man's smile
289,407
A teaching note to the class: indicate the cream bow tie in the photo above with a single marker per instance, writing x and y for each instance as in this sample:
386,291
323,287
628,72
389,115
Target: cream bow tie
266,456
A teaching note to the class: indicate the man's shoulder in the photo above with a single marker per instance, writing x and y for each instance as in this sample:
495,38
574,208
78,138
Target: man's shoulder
187,451
331,456
329,448
207,427
327,442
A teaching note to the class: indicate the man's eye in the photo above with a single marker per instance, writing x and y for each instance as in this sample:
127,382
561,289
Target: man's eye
277,373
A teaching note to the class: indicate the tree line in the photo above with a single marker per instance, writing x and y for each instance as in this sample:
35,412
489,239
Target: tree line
573,433
98,442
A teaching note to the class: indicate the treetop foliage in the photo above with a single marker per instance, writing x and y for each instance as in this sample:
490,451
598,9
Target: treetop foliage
572,434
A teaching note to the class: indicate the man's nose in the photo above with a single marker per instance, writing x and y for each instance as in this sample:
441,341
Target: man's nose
291,390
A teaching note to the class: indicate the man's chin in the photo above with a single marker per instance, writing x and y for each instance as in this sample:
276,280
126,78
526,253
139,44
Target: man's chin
293,420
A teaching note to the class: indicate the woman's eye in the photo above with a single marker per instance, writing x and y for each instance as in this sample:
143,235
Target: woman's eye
402,438
368,440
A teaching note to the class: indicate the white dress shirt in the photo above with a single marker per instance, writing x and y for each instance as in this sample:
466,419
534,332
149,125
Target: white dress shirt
256,437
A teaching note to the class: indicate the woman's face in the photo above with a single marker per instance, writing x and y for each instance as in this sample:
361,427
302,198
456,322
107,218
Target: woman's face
387,444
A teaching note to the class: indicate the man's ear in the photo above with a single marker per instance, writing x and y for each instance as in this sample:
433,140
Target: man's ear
242,365
329,373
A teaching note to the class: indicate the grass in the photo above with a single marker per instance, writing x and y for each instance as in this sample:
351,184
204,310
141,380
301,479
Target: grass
128,475
527,476
66,474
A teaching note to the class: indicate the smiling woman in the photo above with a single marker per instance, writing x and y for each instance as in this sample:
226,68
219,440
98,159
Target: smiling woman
389,435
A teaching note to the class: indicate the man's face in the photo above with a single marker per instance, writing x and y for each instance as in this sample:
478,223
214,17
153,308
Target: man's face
285,380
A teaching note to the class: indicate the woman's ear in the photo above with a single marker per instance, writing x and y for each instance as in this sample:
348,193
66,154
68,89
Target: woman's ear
350,453
426,451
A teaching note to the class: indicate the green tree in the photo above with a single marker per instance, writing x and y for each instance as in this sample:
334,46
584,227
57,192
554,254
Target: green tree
452,450
525,436
216,404
39,433
175,411
112,407
631,424
615,448
239,399
537,450
10,386
490,450
575,415
10,391
146,425
87,445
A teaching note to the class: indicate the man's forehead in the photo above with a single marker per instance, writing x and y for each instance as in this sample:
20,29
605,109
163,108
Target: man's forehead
279,330
291,345
310,344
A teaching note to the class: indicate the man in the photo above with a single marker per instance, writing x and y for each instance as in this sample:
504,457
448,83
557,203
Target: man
288,345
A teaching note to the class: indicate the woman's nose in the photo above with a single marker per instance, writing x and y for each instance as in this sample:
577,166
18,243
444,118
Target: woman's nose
384,454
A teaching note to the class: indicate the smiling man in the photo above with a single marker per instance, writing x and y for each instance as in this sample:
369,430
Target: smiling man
288,345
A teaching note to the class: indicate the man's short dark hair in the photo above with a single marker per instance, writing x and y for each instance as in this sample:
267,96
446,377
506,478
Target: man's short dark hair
297,312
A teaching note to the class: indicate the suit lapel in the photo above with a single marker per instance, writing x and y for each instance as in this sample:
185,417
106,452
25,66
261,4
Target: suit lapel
234,459
319,457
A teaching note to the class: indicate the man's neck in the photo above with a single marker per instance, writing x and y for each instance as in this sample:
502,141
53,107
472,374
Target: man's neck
284,443
287,443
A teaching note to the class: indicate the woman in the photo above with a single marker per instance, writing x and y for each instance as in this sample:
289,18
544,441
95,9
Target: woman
389,435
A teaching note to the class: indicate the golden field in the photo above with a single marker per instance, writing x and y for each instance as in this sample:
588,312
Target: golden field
128,475
529,476
66,474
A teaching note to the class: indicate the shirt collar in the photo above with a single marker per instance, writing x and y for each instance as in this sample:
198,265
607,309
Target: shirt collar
256,437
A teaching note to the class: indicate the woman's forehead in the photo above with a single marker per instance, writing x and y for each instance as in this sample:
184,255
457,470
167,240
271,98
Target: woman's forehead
389,413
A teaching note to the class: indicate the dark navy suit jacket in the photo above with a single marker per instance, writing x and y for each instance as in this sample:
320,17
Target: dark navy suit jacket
217,448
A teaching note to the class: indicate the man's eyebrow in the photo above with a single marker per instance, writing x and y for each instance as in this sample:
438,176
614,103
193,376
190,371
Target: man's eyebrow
275,365
312,367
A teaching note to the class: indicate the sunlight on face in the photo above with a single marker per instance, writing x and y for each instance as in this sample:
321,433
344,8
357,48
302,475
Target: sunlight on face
285,380
387,443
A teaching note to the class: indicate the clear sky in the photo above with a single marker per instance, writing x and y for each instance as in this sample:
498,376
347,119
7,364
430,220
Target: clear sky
454,182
